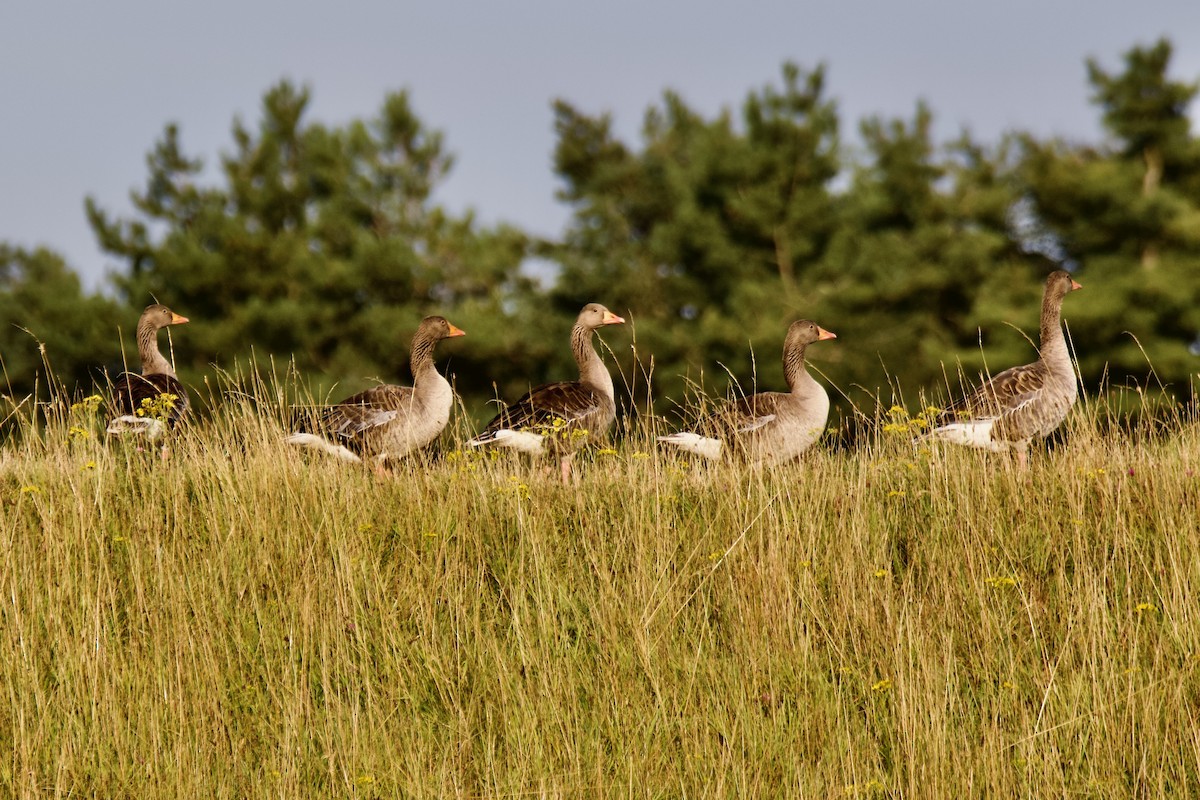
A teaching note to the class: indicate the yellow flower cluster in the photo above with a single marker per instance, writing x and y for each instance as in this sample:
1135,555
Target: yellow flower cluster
88,404
900,422
158,408
468,460
560,428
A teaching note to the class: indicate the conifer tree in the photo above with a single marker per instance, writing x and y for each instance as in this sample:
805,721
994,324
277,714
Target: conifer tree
51,331
708,231
320,242
1127,216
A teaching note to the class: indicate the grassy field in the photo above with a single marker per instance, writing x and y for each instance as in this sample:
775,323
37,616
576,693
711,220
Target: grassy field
881,621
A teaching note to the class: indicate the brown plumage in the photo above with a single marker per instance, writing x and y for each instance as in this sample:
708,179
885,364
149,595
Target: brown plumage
389,422
1022,403
142,403
768,427
561,417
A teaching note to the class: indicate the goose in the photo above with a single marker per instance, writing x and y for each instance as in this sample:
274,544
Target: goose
149,403
561,417
1021,403
388,422
768,427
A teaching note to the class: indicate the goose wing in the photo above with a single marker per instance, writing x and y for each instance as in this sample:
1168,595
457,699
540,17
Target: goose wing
1007,393
153,394
750,413
555,406
368,411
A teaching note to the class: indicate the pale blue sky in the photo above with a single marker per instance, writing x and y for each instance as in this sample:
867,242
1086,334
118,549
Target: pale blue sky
85,90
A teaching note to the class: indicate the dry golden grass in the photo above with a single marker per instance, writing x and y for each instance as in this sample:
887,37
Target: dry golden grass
243,620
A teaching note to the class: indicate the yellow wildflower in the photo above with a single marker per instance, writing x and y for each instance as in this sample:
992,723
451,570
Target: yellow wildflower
519,488
88,404
158,408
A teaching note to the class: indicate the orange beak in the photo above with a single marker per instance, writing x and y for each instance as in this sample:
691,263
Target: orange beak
824,334
611,319
456,331
177,319
1075,285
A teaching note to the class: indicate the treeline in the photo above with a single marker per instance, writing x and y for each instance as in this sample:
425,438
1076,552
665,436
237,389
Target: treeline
322,243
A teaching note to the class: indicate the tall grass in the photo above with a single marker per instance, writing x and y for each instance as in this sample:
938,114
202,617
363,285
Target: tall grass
243,620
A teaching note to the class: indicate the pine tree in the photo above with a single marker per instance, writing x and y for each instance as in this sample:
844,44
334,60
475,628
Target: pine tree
1127,215
708,231
53,335
921,251
321,242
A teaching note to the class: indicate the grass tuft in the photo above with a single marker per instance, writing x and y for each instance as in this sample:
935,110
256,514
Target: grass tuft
881,620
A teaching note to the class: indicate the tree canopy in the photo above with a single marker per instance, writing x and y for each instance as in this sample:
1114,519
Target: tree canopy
54,335
323,244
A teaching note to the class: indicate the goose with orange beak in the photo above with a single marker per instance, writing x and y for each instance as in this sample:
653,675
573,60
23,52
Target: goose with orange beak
149,403
1022,403
386,422
768,427
559,418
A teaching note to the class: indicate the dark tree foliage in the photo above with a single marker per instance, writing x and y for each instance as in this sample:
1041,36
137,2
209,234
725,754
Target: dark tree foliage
711,234
706,236
717,235
320,243
927,258
52,335
1127,215
922,261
